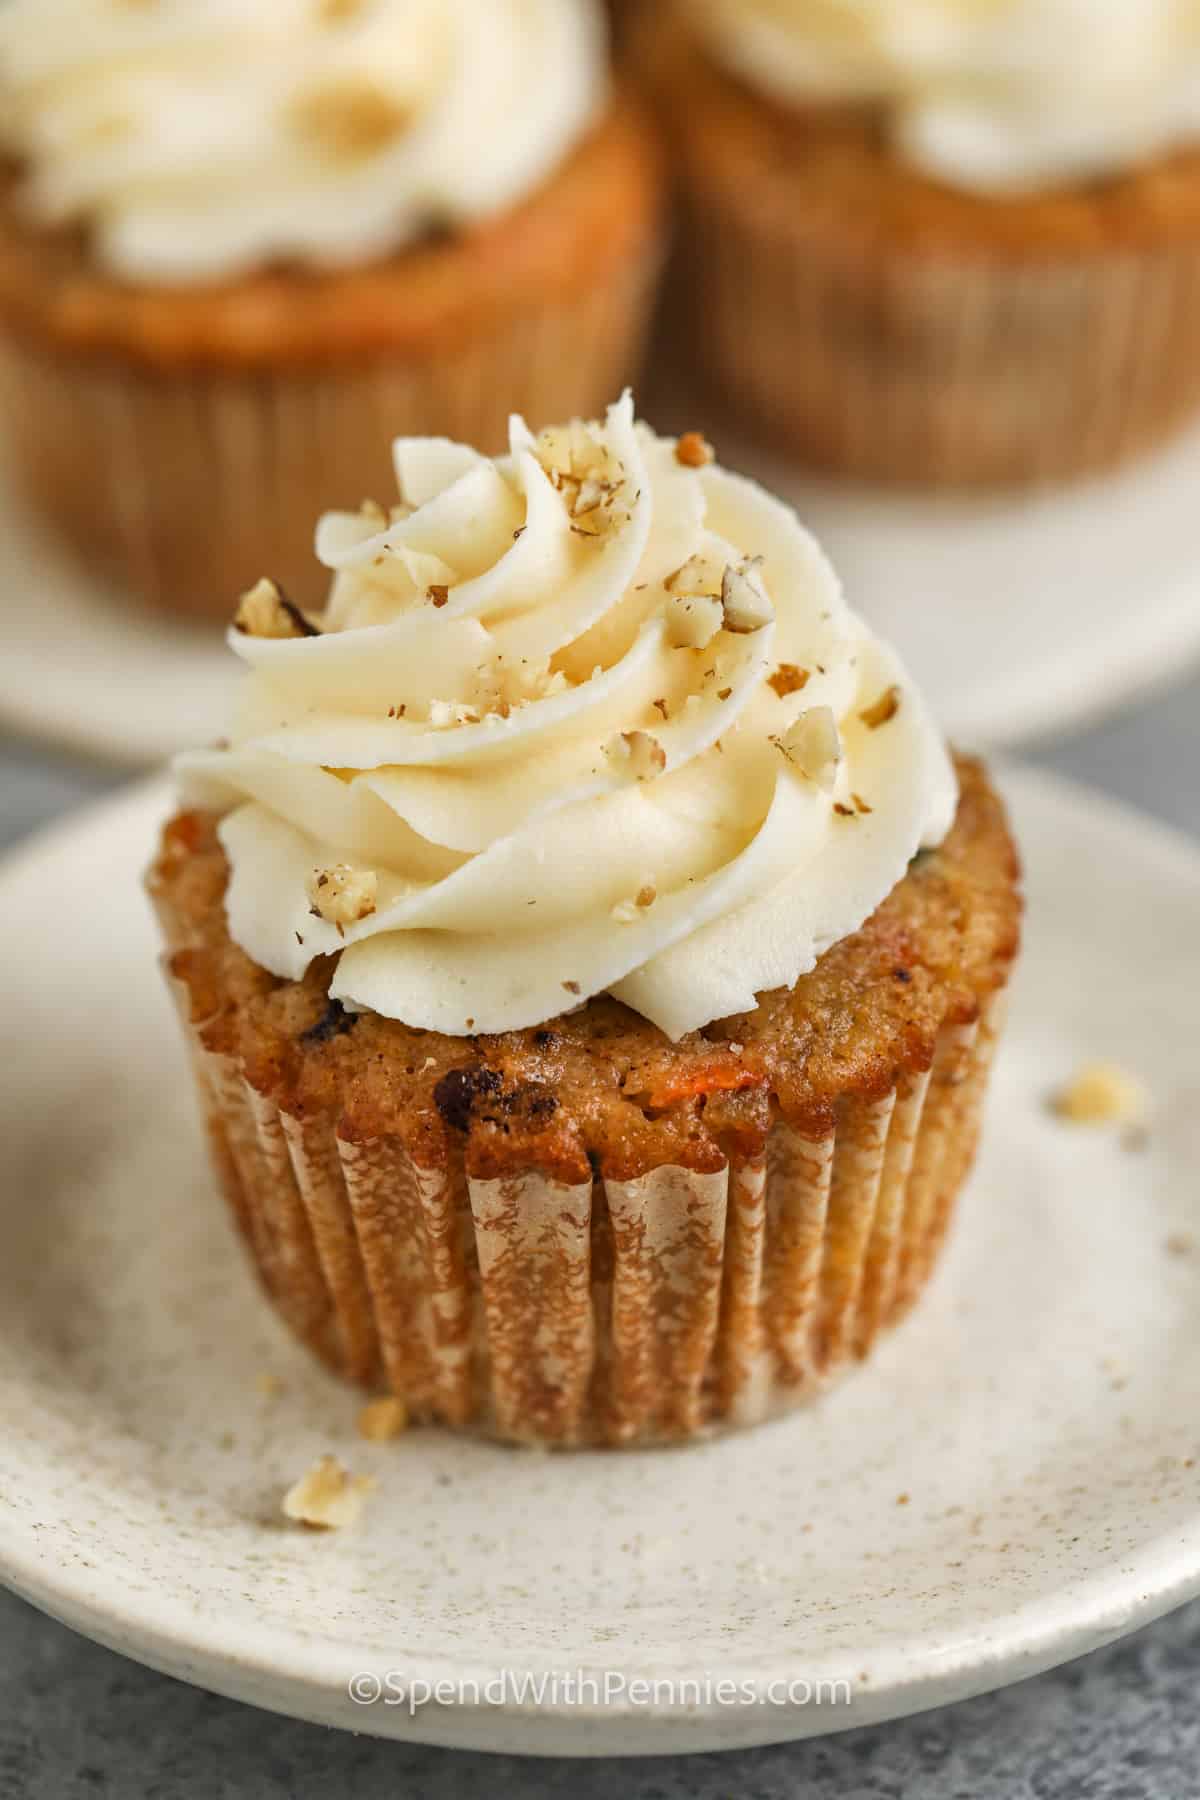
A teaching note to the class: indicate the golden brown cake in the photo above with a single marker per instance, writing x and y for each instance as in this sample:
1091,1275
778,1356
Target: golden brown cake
462,1029
189,387
878,318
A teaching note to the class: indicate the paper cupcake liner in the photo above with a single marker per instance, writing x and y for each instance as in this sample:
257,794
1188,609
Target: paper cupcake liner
608,1312
891,363
184,486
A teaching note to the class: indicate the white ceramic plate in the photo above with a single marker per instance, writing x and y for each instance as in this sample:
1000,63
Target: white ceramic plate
1021,616
1011,1482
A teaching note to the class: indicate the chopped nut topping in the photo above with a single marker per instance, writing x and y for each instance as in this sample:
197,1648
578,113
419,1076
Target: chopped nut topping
328,1497
812,745
637,755
844,812
788,679
693,620
694,451
383,1419
1101,1093
350,118
264,611
696,576
438,593
883,709
860,805
341,895
744,599
627,912
572,987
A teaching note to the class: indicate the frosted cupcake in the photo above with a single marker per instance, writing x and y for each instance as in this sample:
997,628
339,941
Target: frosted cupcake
591,955
940,242
238,244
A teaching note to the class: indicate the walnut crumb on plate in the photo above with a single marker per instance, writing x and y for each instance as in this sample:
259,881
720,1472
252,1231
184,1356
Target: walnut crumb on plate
1101,1093
328,1497
383,1419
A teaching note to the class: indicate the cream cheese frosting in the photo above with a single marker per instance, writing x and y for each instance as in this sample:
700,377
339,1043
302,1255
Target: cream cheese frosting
992,95
197,139
592,717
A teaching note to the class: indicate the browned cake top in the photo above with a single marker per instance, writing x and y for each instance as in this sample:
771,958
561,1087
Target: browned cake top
833,163
601,1086
590,217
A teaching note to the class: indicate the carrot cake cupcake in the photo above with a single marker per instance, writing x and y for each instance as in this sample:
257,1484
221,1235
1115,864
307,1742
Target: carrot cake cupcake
591,955
938,242
235,240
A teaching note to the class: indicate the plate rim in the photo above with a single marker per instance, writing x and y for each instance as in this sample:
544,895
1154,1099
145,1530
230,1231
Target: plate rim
305,1676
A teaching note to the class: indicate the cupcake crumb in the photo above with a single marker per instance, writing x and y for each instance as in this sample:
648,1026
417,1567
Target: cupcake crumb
694,450
383,1419
328,1497
264,611
1101,1093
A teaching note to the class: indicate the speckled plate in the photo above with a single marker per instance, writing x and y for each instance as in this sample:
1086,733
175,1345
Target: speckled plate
1022,616
1011,1482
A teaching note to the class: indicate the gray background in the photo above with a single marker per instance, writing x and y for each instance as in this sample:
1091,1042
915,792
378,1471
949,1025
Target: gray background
78,1722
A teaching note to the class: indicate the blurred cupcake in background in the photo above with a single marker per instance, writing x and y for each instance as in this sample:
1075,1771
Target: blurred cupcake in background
942,241
240,248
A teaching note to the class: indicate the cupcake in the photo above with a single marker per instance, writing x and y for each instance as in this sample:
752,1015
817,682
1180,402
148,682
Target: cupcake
590,954
239,245
941,243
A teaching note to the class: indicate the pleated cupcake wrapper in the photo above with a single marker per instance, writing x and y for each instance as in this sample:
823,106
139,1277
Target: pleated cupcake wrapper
618,1312
920,366
185,486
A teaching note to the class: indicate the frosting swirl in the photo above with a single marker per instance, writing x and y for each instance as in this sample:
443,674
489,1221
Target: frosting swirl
196,139
591,717
995,95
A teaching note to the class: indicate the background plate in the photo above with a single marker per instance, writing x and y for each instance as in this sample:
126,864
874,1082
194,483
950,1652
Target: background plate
1020,615
1012,1481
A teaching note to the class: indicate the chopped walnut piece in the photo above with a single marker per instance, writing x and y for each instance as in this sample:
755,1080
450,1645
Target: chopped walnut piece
696,576
341,895
788,679
636,755
383,1419
694,451
264,611
328,1497
881,710
572,987
860,805
812,745
350,117
693,620
744,599
628,912
438,592
1101,1093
